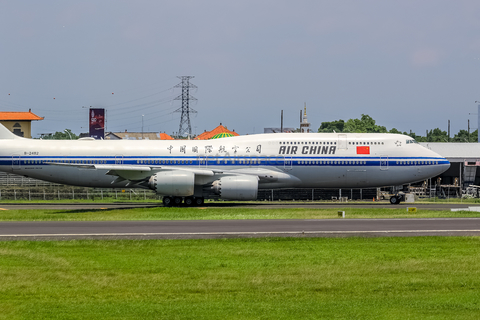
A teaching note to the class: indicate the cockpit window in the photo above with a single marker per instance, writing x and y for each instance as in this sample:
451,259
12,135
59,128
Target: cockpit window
411,141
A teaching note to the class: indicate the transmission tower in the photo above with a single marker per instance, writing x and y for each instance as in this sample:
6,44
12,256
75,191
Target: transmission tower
185,126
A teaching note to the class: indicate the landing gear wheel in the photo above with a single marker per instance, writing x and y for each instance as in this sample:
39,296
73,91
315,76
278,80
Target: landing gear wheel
188,201
167,201
177,201
199,201
395,200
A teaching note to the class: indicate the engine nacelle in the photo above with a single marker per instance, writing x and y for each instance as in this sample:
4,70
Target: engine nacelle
237,187
173,183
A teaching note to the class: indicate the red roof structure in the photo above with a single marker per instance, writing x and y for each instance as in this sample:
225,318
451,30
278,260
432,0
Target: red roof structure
209,134
18,116
164,136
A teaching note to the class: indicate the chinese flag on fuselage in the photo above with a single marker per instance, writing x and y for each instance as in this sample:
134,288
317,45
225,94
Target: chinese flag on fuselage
363,150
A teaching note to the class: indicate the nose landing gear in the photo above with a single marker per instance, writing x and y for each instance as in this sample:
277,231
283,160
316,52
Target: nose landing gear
396,199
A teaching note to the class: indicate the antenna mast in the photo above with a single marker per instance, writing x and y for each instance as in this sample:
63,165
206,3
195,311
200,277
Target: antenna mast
185,126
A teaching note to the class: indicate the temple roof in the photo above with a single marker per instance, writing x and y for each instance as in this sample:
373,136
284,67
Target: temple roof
209,134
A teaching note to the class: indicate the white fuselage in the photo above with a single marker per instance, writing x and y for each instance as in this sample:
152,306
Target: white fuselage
315,160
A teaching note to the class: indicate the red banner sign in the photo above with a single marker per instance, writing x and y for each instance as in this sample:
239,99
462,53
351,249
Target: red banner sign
96,121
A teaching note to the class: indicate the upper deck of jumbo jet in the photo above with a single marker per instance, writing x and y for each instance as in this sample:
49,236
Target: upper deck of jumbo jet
345,143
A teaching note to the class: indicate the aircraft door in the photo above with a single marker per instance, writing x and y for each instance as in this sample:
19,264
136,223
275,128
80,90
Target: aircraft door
287,163
16,162
202,161
342,142
119,159
383,163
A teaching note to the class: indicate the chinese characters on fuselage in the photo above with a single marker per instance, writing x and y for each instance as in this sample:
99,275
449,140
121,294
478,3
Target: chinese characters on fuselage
221,149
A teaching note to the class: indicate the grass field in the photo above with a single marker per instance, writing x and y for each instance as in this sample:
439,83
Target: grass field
314,278
213,213
267,278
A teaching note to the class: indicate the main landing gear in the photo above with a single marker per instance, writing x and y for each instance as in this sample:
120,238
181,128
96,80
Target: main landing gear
177,201
396,199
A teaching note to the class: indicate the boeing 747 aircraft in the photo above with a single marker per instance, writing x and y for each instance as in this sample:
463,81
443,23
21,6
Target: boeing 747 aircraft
230,168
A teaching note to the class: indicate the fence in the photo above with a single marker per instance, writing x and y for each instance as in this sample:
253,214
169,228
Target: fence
11,180
13,187
73,193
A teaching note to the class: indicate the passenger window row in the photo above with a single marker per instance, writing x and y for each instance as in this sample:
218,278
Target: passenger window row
309,142
416,162
67,161
365,143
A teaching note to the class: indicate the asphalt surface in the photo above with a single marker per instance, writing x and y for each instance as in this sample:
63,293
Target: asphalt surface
196,229
205,229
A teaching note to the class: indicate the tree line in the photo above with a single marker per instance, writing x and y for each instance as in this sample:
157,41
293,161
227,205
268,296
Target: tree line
367,124
364,124
66,134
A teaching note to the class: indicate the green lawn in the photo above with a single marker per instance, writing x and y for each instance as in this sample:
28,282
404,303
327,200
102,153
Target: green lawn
311,278
203,213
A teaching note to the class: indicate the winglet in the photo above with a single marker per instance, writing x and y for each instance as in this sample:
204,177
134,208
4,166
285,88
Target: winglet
7,134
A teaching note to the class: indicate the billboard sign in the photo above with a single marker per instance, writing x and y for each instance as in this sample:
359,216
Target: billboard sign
96,121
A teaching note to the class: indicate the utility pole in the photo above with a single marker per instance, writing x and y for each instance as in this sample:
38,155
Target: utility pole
478,122
281,123
185,126
468,130
449,130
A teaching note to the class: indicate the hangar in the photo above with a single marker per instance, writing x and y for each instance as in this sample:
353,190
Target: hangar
464,159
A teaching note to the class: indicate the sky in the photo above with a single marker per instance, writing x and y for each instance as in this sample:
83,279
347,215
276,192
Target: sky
410,65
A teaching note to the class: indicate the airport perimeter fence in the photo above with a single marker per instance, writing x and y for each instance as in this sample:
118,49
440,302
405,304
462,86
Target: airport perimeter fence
309,194
14,187
13,180
61,192
75,193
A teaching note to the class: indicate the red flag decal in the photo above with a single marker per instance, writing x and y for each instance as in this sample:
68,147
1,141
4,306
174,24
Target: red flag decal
363,150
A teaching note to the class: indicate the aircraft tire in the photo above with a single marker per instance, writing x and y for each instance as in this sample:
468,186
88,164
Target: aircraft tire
189,201
167,201
199,201
177,201
395,200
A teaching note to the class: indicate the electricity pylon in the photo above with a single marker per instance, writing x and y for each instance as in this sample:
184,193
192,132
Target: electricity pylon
185,126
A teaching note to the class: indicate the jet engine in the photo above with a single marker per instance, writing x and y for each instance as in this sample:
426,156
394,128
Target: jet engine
173,183
236,187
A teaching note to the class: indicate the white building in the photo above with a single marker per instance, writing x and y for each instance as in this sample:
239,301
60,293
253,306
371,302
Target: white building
304,124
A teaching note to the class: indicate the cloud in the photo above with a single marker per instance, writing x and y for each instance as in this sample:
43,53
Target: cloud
425,57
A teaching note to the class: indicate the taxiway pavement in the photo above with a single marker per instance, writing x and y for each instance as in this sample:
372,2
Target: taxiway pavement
205,229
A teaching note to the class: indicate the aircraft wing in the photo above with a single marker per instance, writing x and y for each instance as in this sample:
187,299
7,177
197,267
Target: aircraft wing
136,173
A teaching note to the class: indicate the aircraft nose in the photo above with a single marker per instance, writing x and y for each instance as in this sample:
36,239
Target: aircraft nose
443,165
